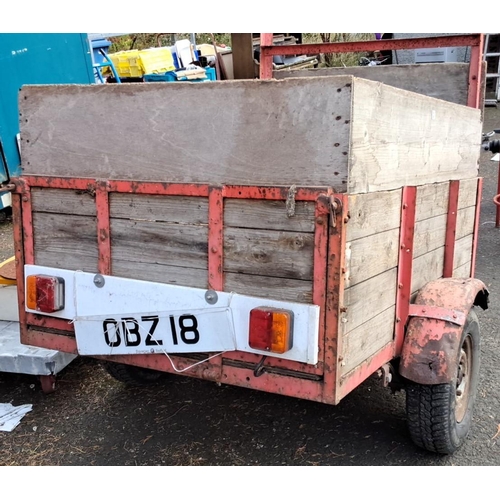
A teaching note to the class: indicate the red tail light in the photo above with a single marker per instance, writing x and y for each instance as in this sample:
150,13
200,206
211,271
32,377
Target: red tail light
45,293
271,330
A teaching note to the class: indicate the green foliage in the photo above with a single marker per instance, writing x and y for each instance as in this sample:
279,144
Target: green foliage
346,59
147,40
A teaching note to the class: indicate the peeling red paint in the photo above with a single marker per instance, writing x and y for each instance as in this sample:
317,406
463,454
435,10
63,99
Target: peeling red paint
430,349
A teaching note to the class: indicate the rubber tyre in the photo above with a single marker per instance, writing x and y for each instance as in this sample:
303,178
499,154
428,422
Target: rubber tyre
432,409
132,375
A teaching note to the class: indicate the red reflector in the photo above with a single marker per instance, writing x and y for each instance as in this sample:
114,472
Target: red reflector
45,293
271,330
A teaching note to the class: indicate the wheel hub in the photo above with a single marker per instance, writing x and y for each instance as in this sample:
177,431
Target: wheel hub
463,380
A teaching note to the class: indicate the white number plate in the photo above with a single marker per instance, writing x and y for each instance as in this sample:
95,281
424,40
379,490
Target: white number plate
200,331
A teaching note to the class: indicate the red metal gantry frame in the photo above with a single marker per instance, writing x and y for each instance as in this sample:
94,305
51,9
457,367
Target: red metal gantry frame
321,382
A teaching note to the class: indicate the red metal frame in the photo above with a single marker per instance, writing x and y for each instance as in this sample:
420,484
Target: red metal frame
233,367
474,41
476,227
451,229
405,263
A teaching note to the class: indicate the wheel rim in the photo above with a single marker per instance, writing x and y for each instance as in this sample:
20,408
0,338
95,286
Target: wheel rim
463,379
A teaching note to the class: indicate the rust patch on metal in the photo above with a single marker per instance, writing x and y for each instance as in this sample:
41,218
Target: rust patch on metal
430,350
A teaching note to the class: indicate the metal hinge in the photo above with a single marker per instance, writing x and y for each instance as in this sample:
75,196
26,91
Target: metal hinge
335,207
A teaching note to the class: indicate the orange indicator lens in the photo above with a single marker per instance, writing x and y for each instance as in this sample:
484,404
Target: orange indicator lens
271,330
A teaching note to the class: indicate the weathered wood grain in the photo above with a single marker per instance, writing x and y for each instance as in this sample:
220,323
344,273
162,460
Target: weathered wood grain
367,339
401,138
179,245
269,287
427,267
429,235
432,200
463,271
63,201
373,213
65,241
465,222
248,132
372,255
266,214
179,209
159,273
269,253
463,251
370,298
449,82
468,193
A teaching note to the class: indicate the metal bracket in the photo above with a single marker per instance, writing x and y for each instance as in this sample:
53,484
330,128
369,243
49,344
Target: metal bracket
7,188
439,313
335,206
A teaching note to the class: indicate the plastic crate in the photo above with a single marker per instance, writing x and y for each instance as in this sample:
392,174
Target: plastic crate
127,63
156,60
169,76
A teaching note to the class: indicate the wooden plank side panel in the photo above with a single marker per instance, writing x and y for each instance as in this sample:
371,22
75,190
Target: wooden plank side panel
463,251
179,245
401,138
367,339
65,241
269,287
159,273
442,81
281,254
370,256
427,267
429,235
432,200
373,213
465,222
63,201
249,132
463,271
468,193
368,299
266,214
177,209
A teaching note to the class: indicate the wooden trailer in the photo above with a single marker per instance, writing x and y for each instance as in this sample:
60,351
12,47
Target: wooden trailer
294,236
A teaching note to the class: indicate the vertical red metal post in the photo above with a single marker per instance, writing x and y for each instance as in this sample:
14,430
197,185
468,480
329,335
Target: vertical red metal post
321,215
215,239
451,229
334,296
476,227
405,263
475,74
266,60
19,254
103,228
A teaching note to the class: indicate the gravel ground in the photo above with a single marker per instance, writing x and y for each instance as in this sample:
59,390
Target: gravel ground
93,420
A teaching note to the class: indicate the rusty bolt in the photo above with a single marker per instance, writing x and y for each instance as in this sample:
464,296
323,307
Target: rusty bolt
403,247
405,205
346,220
423,311
454,316
319,221
213,249
343,270
25,198
398,320
400,286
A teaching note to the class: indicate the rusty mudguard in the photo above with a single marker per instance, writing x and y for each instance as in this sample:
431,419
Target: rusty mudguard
437,318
